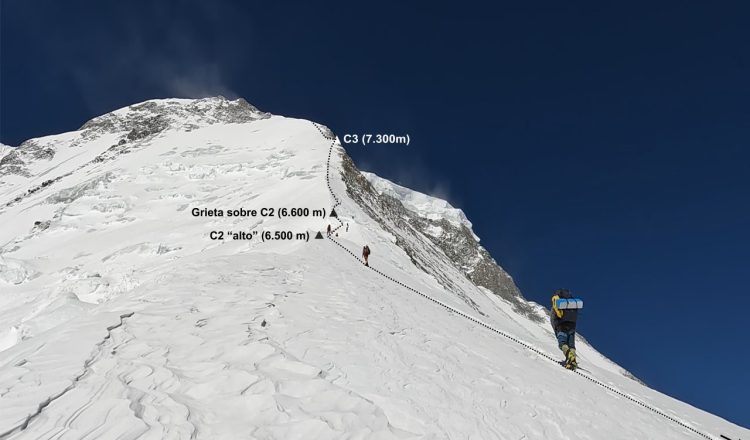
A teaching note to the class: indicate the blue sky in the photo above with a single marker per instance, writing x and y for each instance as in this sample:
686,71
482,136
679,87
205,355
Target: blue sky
600,149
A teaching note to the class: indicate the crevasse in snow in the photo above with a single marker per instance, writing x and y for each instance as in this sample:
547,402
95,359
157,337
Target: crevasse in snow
121,317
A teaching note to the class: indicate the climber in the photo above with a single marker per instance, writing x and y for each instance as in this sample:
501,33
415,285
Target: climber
328,231
563,317
366,254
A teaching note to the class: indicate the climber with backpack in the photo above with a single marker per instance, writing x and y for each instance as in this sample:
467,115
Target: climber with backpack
366,254
563,317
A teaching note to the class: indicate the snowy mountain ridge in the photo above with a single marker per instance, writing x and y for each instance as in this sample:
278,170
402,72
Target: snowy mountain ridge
439,223
186,114
4,149
424,205
121,316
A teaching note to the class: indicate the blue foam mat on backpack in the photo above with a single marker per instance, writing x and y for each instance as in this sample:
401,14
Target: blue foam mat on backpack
569,303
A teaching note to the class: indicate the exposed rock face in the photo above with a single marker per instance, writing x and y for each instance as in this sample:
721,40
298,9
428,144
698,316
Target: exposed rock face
12,163
136,123
15,160
467,254
415,232
151,117
454,239
132,125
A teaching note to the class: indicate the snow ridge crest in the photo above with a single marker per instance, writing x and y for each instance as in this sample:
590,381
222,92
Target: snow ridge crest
160,114
424,205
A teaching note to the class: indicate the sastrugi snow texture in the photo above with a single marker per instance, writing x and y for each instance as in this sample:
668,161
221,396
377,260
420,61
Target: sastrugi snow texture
120,317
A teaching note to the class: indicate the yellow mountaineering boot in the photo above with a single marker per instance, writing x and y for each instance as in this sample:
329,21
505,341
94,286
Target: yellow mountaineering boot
570,359
565,349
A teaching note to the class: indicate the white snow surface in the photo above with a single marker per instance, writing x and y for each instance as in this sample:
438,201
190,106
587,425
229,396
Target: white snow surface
122,319
5,149
421,204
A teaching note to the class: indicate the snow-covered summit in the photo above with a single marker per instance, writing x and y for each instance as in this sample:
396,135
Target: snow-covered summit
449,230
424,205
160,278
159,114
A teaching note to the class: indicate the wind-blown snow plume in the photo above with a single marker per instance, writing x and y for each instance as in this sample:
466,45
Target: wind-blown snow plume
160,278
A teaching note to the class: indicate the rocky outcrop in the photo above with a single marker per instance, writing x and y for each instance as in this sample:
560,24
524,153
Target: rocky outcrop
151,117
455,240
15,161
134,126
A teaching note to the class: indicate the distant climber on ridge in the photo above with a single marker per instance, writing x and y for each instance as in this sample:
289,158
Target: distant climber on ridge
563,317
366,254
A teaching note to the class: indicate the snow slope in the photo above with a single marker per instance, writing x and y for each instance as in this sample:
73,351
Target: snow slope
5,149
424,205
121,318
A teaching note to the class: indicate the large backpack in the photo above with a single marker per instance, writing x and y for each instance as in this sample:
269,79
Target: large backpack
568,305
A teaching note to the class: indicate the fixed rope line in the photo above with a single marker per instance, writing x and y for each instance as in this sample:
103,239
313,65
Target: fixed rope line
484,324
528,346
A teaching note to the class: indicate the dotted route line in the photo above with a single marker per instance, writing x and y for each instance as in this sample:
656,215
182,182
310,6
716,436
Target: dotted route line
328,173
484,324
